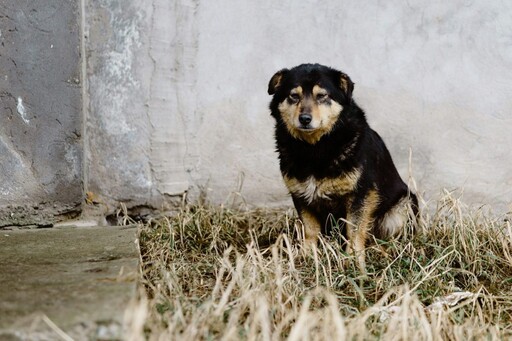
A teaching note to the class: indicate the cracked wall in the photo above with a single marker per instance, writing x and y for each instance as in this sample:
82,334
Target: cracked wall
140,75
40,104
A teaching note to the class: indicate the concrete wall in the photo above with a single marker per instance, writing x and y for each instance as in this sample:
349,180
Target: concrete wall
40,111
186,105
117,126
175,95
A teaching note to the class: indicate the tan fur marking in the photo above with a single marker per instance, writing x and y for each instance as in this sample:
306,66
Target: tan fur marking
297,90
318,90
342,185
312,189
359,225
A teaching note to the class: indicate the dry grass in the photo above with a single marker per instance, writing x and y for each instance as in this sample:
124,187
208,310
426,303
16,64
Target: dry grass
215,273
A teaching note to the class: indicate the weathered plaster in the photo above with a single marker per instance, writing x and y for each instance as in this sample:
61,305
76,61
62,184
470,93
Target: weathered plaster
172,51
116,126
40,152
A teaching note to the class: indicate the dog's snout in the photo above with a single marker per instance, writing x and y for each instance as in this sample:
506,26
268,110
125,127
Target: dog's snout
305,119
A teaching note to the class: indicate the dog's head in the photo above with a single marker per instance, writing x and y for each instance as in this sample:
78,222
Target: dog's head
309,99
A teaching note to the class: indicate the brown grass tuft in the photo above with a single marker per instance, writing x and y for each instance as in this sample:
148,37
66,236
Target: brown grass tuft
218,273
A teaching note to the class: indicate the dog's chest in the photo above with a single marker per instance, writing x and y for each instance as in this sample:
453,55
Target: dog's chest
312,190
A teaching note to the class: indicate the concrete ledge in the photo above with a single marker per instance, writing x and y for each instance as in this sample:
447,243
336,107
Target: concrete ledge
79,278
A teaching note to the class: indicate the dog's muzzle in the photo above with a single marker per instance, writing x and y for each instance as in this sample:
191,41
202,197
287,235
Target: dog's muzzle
305,120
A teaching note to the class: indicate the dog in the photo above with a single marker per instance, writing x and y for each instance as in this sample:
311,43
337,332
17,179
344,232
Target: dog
334,165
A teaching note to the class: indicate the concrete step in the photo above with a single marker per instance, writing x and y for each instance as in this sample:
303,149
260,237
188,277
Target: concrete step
72,281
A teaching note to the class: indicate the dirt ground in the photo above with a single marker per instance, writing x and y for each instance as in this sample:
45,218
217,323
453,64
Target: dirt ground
74,281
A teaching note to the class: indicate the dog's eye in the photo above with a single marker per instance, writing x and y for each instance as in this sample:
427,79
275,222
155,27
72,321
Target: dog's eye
294,97
321,96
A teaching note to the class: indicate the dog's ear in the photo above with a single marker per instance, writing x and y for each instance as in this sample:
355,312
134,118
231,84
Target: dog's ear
275,81
346,85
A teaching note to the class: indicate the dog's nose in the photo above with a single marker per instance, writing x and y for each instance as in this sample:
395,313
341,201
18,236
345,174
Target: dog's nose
305,119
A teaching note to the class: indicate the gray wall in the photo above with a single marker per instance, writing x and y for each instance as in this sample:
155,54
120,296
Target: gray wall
40,111
175,94
117,126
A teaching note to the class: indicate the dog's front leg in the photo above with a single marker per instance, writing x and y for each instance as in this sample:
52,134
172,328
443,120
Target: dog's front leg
311,226
360,222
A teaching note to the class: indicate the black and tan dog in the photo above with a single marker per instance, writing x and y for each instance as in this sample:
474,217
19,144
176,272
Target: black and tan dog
332,162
